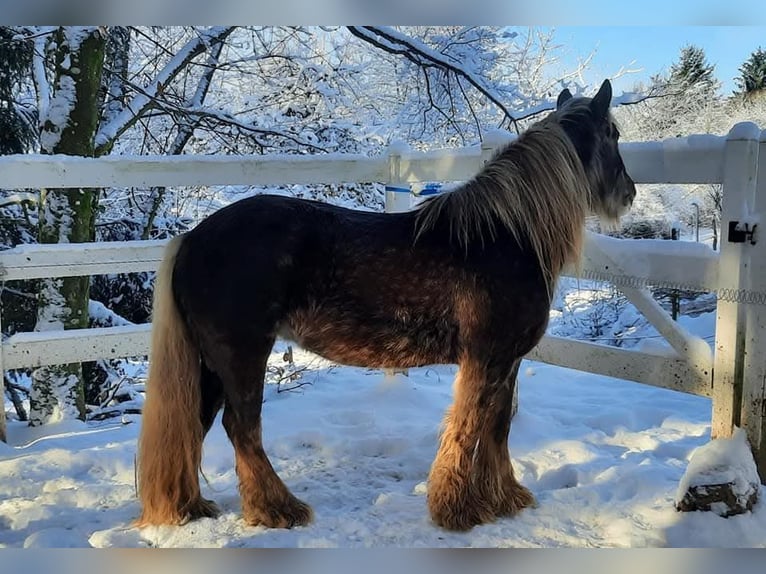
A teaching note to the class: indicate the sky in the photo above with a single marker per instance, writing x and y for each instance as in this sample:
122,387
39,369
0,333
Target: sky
653,49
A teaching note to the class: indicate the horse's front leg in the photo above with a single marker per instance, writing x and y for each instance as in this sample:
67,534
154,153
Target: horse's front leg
471,481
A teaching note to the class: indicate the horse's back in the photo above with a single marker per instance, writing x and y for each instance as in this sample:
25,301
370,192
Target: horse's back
255,259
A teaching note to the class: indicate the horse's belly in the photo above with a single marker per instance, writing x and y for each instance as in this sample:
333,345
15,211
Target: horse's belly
360,353
364,345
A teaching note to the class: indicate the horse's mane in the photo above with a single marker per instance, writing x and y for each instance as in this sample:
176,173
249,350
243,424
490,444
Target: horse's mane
535,187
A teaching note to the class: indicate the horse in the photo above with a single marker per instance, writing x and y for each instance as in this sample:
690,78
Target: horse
465,278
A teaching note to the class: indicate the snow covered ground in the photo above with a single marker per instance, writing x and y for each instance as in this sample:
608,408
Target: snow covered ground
604,458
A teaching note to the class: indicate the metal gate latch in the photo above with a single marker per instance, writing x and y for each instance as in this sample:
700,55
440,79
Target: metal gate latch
740,233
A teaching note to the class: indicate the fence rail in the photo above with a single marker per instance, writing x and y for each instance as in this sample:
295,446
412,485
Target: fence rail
732,161
64,260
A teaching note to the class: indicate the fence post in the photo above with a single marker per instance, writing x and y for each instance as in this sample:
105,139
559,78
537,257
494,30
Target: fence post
739,181
754,375
397,191
398,198
493,140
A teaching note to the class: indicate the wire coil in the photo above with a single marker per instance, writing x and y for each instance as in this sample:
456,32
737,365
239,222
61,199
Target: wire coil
730,295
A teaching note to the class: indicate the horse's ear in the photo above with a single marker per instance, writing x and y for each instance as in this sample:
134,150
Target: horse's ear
563,97
602,100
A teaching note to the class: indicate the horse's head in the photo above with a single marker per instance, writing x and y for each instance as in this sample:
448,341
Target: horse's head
591,128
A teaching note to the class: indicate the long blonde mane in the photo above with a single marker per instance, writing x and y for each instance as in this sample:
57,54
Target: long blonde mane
535,187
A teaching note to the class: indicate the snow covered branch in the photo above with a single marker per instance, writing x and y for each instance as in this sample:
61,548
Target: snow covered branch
199,112
41,37
394,42
146,98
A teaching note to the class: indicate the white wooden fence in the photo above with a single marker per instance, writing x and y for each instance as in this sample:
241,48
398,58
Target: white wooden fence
733,375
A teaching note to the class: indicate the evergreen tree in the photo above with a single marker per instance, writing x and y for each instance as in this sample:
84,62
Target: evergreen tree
689,92
692,70
753,73
17,124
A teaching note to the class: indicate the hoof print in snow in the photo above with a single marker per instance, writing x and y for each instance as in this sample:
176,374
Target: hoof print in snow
721,477
724,499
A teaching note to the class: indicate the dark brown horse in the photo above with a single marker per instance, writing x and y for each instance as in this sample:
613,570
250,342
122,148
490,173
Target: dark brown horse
466,278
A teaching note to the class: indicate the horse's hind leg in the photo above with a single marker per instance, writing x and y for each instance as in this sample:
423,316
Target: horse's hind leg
265,498
211,395
472,481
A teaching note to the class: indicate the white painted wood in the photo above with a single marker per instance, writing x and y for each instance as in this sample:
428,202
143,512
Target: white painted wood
739,182
696,159
707,159
689,347
683,264
75,345
39,171
662,370
753,416
691,264
693,159
69,260
492,142
667,371
400,200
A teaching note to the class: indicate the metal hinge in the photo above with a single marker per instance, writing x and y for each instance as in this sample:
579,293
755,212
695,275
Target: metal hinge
741,232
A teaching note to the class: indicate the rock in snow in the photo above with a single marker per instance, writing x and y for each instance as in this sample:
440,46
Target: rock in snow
721,477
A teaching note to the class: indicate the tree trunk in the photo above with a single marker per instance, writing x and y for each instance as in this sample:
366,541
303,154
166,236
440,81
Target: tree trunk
68,127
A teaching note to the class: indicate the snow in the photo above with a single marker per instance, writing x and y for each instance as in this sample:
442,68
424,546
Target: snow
122,120
56,107
721,461
122,328
50,317
118,247
603,457
627,98
498,137
745,131
38,71
697,142
398,147
103,316
646,249
60,106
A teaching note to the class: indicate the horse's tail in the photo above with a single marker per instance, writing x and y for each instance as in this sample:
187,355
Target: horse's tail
170,445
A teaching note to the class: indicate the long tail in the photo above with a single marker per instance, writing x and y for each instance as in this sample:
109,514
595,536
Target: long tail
170,445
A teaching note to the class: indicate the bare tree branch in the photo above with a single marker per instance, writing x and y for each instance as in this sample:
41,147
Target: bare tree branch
185,131
142,101
393,42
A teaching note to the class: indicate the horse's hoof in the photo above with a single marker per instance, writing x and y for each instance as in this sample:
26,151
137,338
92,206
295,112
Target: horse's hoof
517,500
458,513
289,514
203,508
460,519
200,508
